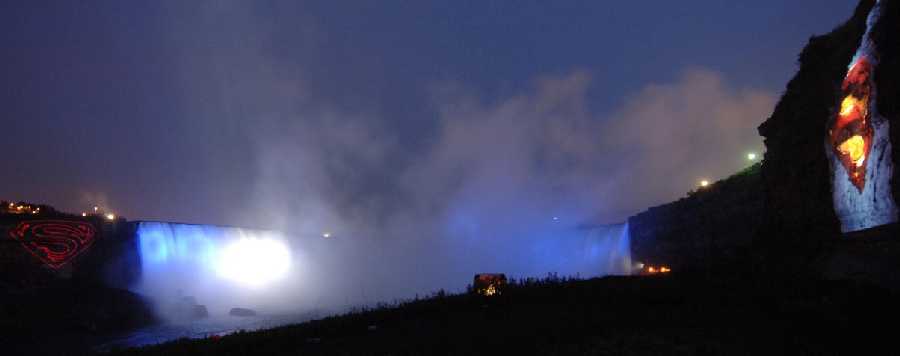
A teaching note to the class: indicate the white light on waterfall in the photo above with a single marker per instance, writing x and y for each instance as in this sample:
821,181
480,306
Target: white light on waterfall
751,156
254,262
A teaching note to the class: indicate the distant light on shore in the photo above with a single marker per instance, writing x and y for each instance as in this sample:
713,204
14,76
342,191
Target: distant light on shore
704,183
751,156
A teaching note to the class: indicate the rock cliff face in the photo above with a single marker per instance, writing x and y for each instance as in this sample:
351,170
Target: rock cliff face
782,217
886,35
52,251
799,218
801,231
711,229
873,255
65,276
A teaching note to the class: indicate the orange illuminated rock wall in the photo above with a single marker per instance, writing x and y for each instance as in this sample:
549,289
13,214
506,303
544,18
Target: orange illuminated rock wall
859,146
799,220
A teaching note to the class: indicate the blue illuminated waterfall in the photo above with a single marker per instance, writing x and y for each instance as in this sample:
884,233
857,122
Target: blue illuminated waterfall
219,267
606,251
227,267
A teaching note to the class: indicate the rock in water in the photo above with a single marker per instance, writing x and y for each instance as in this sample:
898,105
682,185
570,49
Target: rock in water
241,312
199,312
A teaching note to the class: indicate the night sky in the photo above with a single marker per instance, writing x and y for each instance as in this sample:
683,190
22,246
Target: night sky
294,114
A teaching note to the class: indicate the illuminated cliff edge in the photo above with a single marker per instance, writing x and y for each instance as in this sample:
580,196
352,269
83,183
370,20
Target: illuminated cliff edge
858,145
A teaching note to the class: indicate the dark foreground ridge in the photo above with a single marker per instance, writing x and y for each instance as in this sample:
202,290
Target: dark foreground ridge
637,315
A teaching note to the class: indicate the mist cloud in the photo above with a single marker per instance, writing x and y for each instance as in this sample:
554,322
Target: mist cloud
290,158
542,150
500,186
478,184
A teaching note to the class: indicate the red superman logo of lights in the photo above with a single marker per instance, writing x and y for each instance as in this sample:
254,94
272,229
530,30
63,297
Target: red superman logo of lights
851,134
54,242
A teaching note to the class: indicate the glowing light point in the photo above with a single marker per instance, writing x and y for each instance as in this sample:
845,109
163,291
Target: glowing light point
96,208
751,156
110,217
83,214
326,235
704,183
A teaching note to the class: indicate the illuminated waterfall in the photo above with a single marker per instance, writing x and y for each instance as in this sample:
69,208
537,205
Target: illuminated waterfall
606,251
219,267
859,146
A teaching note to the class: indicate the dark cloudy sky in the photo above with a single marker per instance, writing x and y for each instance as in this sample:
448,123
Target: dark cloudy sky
324,113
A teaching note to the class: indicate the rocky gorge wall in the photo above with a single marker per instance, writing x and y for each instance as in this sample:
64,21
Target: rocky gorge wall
801,231
712,229
781,217
886,35
46,251
66,275
799,220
